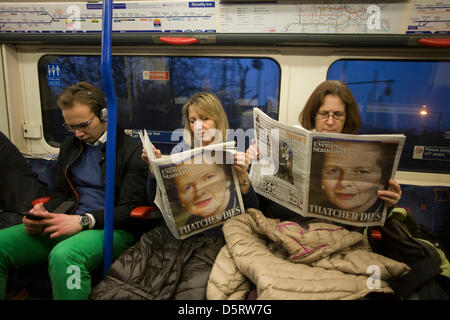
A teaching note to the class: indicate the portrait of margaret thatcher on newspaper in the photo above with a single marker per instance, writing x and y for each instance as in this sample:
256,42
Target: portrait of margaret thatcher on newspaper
345,177
202,191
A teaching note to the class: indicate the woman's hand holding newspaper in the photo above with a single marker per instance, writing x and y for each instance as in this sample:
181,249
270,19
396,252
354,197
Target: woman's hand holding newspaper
144,157
252,152
241,163
392,195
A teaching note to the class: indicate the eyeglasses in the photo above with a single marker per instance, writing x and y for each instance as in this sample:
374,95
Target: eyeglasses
337,116
81,127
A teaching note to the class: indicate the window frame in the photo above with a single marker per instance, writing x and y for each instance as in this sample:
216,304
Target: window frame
399,60
302,69
245,107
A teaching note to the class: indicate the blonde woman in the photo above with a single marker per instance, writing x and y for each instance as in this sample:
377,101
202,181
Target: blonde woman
206,123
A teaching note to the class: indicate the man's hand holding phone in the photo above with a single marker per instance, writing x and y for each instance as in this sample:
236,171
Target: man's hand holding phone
33,219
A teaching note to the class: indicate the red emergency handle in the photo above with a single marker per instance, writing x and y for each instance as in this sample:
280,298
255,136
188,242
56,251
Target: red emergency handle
42,200
178,41
440,43
376,235
142,212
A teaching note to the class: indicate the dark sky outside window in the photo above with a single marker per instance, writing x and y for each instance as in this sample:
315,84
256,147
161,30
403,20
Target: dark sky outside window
409,97
144,101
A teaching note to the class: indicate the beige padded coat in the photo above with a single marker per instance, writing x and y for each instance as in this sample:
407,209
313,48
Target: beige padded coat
285,261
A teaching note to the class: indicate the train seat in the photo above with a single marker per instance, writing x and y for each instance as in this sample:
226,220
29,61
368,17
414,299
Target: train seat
34,282
46,170
430,205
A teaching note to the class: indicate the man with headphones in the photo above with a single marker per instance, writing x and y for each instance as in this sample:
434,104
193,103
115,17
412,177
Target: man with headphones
71,237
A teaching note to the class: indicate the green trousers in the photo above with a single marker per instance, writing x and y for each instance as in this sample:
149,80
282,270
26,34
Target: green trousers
70,259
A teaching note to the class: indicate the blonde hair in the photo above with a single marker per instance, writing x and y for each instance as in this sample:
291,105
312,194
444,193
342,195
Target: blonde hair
207,105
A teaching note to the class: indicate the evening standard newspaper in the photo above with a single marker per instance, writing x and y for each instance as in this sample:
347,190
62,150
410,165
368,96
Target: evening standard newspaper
325,175
197,189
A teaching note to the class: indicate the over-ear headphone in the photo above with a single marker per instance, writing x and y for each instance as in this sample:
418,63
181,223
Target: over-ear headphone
102,114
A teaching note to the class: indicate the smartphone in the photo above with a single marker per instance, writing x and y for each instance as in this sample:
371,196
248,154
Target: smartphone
31,216
62,208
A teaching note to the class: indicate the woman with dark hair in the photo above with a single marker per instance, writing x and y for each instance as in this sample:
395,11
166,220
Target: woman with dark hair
332,108
331,95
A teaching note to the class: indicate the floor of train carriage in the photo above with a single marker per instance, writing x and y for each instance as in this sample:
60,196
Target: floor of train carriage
30,283
33,283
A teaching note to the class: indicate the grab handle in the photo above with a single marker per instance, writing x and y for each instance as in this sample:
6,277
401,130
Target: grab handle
440,43
178,41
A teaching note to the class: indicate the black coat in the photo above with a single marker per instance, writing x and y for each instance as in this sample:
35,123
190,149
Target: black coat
161,267
130,181
19,184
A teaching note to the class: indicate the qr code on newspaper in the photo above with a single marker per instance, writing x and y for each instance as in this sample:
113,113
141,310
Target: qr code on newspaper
270,186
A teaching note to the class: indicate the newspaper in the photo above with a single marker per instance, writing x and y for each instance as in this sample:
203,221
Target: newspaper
197,189
325,175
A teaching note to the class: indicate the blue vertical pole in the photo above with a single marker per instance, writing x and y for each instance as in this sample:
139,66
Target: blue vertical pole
108,84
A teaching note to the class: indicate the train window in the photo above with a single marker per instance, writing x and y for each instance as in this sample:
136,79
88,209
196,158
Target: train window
151,90
409,97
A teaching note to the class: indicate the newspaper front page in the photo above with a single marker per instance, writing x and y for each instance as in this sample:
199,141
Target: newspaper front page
331,176
197,189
